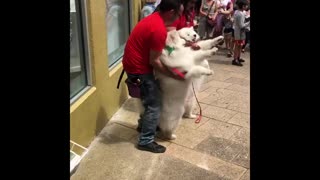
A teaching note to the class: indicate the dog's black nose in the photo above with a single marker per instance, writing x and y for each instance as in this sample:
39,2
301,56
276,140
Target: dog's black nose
194,35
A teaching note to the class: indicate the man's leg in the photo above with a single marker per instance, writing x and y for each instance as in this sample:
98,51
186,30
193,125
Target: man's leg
151,100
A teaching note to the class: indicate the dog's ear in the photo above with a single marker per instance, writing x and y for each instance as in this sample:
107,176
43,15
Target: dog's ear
171,36
175,34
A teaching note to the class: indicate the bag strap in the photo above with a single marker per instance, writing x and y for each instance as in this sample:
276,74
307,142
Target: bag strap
120,78
214,2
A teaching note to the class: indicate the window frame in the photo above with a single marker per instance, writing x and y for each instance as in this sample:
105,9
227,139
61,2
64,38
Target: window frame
130,19
82,17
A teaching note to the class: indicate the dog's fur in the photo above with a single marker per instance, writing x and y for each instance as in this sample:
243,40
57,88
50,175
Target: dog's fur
184,58
188,34
175,92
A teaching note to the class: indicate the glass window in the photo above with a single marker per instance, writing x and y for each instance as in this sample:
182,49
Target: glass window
78,56
118,27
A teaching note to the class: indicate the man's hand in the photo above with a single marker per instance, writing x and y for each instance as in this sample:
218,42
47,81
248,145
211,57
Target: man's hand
159,66
176,76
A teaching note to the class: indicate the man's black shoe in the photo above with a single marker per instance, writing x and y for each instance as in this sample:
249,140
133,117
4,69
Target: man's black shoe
152,147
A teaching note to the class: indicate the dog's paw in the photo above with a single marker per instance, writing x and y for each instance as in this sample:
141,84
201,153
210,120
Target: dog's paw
214,50
219,39
173,137
208,72
191,116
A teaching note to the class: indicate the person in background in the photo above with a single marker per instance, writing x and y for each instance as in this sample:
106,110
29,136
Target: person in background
227,32
148,8
204,29
225,7
239,31
247,19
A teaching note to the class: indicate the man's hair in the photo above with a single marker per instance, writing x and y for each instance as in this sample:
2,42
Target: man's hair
167,5
241,3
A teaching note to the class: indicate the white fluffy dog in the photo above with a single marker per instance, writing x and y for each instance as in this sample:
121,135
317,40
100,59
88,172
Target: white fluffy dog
189,35
194,64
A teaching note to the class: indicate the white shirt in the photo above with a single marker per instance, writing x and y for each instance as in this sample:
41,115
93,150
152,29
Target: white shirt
225,2
157,3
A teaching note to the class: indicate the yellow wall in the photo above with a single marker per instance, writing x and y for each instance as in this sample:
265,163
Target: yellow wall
92,111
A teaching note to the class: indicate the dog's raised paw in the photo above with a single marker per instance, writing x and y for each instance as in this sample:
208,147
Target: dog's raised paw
214,49
208,72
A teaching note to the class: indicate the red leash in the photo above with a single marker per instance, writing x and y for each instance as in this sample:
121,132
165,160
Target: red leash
182,75
200,115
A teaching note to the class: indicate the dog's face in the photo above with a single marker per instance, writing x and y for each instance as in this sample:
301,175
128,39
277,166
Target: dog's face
189,34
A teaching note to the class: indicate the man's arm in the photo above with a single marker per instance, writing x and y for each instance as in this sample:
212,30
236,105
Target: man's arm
159,66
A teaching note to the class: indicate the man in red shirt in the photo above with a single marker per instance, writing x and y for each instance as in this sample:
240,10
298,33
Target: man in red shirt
141,56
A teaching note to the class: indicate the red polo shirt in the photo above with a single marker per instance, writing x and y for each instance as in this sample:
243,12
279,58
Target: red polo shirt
149,34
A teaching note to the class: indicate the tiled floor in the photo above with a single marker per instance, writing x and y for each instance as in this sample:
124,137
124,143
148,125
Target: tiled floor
216,148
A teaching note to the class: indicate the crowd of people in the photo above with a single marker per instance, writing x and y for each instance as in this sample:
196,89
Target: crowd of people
212,18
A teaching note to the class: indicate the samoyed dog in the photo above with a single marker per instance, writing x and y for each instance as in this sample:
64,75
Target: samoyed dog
193,66
189,35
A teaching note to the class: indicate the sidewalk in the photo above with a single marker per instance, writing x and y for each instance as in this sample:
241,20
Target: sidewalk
216,148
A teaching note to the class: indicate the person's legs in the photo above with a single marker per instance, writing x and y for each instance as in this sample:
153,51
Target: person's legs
241,44
218,27
226,41
232,43
151,100
247,38
202,27
237,51
209,30
227,37
246,41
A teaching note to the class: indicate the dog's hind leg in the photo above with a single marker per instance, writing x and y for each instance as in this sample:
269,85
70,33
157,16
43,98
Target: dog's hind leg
189,106
168,135
169,122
